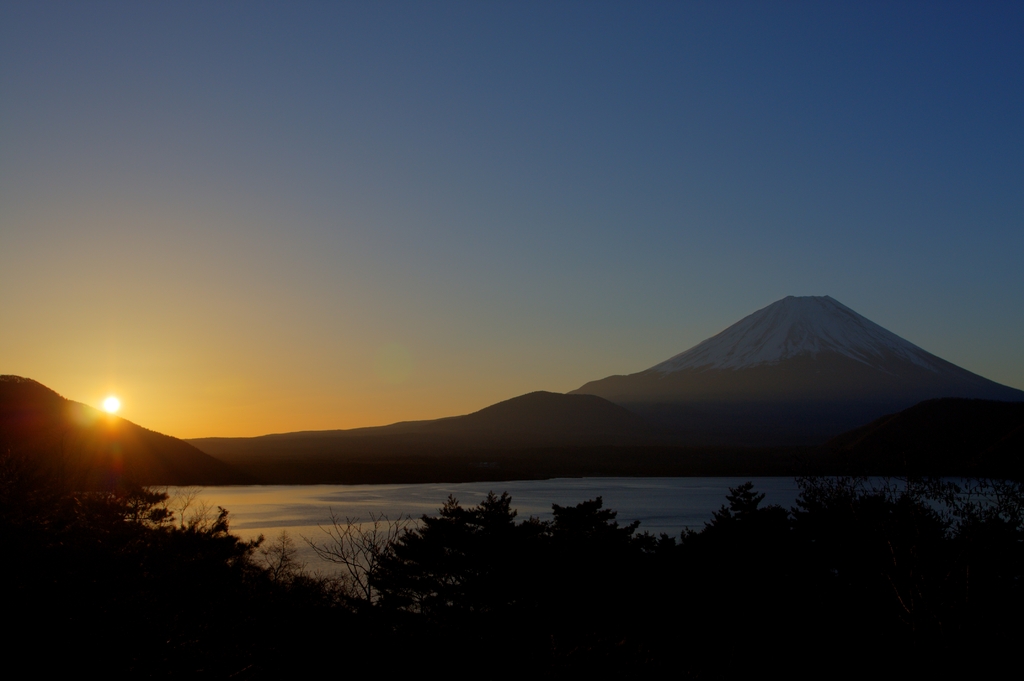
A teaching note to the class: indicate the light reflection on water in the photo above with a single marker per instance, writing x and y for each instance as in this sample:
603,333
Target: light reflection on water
660,504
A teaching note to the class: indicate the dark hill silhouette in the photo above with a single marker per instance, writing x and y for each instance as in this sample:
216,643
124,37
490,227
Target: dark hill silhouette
545,435
537,419
937,437
88,449
540,434
542,419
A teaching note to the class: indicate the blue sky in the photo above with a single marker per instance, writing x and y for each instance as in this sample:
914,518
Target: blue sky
256,217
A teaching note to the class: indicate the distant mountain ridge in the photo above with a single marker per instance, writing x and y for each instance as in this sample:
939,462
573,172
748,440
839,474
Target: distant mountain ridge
761,397
537,419
88,449
798,371
537,435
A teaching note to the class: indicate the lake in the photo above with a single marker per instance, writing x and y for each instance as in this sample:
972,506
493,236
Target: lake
667,505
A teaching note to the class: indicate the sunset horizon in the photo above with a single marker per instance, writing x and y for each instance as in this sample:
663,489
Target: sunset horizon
335,216
568,339
112,404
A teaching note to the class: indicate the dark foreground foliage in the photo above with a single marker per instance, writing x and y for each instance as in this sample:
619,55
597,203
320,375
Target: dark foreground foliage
117,583
911,578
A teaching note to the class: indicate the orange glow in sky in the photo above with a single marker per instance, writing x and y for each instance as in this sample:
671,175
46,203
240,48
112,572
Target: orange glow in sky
337,215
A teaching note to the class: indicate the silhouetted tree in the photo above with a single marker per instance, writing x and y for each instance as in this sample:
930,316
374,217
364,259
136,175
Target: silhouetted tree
280,558
359,547
461,559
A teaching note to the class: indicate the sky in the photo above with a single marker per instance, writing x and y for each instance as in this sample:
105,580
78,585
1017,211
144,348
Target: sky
246,218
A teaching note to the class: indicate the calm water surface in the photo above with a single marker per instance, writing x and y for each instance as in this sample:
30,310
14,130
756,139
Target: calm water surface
660,504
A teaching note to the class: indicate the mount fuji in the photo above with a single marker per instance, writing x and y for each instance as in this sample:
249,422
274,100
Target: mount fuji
798,371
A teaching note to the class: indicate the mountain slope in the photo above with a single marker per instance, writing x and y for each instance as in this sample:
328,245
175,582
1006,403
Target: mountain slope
793,327
795,372
939,437
538,419
539,435
88,449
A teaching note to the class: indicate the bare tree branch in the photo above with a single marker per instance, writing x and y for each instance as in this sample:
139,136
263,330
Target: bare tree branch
358,548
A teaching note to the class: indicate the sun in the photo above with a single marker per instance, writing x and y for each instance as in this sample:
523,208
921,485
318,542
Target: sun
111,404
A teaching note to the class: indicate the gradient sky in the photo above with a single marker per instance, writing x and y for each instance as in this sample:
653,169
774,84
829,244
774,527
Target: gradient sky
246,218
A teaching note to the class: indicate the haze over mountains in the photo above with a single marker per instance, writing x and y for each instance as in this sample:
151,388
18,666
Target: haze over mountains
537,419
771,389
798,371
529,436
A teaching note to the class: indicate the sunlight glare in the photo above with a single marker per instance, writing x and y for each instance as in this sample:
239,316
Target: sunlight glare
111,404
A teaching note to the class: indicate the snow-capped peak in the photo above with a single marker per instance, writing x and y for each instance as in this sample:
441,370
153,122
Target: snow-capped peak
796,326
